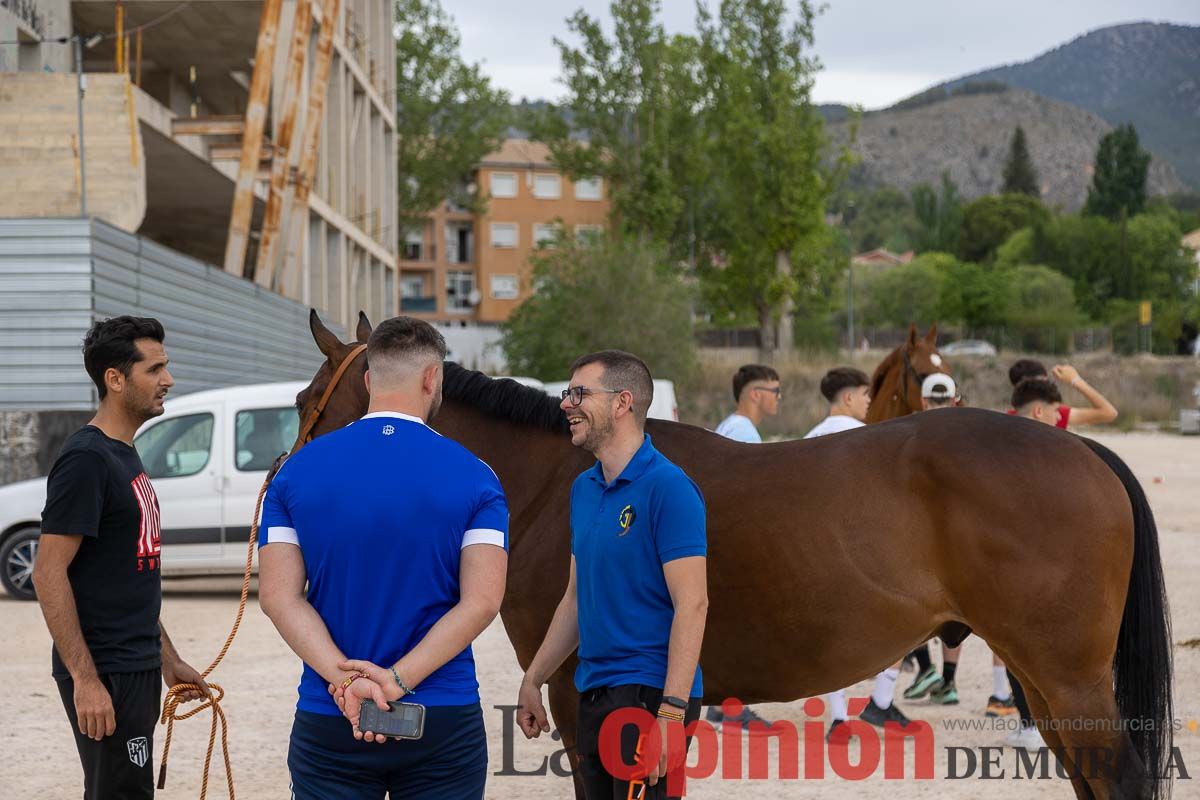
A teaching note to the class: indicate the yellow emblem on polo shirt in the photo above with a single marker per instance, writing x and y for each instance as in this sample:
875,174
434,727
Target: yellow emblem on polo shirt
625,519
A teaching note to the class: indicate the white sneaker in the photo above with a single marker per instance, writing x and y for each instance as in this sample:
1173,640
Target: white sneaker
1026,738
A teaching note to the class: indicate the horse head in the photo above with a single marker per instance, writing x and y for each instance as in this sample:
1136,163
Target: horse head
348,399
896,384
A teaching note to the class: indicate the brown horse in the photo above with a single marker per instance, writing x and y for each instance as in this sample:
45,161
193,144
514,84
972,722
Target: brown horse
896,383
930,525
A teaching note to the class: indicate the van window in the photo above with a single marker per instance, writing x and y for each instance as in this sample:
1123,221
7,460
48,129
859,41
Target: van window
176,447
261,435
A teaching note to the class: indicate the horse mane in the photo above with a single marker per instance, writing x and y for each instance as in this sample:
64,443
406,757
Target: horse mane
881,372
503,398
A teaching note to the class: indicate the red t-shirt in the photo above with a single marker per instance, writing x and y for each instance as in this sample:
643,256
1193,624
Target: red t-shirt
1064,416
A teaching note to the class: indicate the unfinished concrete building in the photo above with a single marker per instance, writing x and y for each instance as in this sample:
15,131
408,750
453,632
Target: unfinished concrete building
258,136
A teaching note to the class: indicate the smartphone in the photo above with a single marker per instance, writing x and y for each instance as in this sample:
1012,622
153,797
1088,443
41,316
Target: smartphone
401,720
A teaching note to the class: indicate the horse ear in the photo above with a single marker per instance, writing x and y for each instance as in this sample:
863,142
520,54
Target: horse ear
912,334
327,342
931,337
364,327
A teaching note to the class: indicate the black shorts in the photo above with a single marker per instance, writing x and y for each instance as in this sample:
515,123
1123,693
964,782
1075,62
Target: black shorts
594,706
326,762
121,766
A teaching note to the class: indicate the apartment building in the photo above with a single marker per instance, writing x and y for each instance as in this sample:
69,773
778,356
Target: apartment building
463,267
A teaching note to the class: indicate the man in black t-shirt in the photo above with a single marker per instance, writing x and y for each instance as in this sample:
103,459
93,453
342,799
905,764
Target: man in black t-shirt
97,570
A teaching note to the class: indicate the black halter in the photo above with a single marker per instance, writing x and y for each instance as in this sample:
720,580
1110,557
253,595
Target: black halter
909,369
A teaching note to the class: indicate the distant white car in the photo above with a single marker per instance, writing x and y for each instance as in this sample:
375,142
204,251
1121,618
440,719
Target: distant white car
968,347
208,455
663,406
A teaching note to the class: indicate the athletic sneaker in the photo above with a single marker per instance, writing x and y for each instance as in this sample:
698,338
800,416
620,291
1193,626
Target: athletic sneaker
1001,708
839,733
744,719
1028,738
923,683
944,694
877,716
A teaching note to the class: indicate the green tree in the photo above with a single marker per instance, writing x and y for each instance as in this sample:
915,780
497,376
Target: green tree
634,97
610,292
989,221
448,116
1041,310
1020,176
764,141
907,293
939,217
970,294
1119,180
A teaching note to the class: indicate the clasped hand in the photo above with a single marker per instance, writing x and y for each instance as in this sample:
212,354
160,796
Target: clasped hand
375,684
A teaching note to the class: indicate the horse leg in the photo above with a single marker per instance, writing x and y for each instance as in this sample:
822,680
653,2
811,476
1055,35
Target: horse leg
564,707
1101,762
1041,715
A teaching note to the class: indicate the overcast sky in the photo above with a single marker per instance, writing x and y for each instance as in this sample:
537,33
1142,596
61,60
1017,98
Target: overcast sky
874,52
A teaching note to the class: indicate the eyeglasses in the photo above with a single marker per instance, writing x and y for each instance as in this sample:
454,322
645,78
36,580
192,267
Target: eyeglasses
777,391
576,393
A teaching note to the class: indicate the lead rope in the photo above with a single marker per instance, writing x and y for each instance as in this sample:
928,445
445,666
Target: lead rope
170,712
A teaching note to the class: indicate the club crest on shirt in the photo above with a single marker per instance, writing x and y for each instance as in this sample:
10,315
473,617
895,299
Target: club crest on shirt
150,525
625,519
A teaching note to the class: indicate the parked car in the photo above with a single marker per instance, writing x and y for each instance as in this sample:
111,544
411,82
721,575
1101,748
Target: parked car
663,406
208,455
968,347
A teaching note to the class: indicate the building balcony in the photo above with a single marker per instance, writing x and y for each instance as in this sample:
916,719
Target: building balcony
418,305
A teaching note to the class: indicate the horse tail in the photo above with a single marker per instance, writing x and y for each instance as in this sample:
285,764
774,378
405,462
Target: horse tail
1142,662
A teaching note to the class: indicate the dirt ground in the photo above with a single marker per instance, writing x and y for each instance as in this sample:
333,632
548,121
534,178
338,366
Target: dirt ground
260,673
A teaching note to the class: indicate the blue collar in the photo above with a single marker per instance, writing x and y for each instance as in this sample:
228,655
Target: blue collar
645,455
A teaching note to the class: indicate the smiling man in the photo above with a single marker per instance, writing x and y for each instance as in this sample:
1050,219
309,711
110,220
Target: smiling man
97,570
637,595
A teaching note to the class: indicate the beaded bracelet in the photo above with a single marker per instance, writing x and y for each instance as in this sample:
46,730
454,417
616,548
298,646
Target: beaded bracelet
403,687
346,683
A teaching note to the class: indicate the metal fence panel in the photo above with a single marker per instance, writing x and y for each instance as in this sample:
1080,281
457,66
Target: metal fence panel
57,276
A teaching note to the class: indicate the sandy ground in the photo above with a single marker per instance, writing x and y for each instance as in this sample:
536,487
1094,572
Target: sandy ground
259,676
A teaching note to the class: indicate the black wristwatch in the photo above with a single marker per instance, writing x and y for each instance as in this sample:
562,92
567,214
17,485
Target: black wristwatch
675,702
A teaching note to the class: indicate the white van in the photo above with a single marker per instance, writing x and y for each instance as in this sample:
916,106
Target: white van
208,455
663,406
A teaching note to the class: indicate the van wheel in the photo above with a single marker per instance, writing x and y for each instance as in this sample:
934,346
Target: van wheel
16,563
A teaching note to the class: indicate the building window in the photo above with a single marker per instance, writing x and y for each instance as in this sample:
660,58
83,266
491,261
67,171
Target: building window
505,287
589,189
460,286
411,287
459,242
545,234
546,186
504,184
414,244
586,234
504,234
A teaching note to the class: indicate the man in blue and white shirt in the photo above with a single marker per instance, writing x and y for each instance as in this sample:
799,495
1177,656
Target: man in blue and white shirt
401,536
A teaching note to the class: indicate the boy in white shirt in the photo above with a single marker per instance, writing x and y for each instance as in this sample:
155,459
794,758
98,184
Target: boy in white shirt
756,392
849,394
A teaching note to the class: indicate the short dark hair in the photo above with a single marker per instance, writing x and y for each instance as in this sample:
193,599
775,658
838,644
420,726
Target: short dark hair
750,373
838,379
623,371
1031,390
404,337
1026,368
110,345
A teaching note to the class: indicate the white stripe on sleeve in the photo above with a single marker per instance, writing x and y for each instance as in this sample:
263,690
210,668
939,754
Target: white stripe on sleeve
280,534
483,536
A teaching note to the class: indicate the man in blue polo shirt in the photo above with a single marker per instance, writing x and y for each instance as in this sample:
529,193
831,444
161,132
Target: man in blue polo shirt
637,597
401,537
